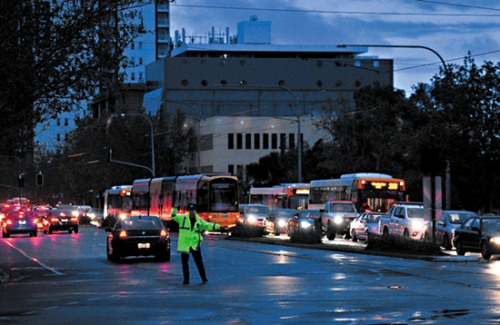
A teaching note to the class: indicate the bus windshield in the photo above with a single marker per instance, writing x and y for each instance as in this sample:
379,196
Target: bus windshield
223,197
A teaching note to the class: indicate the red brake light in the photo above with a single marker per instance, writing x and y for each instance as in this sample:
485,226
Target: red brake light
123,234
163,233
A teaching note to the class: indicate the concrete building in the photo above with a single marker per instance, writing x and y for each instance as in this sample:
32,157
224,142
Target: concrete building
250,97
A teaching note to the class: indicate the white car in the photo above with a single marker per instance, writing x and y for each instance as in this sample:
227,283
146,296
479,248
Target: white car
405,219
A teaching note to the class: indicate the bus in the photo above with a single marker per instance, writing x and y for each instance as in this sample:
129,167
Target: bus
215,195
287,195
368,191
117,201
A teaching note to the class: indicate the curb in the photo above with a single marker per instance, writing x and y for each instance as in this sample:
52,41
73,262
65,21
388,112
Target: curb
359,250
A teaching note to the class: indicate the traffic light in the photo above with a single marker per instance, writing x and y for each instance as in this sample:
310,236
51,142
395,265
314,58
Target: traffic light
39,179
20,180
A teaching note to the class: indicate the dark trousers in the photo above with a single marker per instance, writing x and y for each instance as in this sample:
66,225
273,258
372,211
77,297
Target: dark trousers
199,263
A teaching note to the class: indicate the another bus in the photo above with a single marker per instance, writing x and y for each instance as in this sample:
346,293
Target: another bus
368,191
118,201
287,195
215,196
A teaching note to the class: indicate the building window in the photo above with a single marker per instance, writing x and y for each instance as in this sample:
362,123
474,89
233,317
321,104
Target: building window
132,45
207,142
239,171
66,123
230,169
132,76
230,140
256,140
239,141
248,141
282,141
274,141
140,45
265,141
291,140
58,122
58,137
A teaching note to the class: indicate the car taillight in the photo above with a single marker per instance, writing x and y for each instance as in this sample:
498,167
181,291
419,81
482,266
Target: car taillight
35,221
163,233
9,222
123,234
53,220
74,219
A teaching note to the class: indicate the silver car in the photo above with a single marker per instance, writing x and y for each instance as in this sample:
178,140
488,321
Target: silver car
445,228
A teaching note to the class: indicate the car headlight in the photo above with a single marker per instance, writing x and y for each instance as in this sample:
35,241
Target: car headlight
495,240
74,213
251,219
338,220
281,222
417,225
305,224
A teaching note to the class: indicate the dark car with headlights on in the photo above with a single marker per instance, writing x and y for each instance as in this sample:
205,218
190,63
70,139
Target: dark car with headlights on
138,236
479,234
446,225
20,222
62,220
305,220
276,221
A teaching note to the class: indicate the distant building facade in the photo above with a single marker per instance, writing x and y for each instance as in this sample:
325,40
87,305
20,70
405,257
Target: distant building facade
248,97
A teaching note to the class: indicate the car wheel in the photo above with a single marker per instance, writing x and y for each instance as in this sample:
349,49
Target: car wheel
111,254
447,242
6,235
277,233
164,257
485,251
385,233
368,236
51,230
330,233
75,230
406,233
460,249
353,237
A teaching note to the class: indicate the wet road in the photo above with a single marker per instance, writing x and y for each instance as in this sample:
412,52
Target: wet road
66,279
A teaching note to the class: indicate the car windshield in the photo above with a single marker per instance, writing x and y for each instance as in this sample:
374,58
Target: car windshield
141,223
372,218
491,225
284,213
257,210
458,218
415,213
342,208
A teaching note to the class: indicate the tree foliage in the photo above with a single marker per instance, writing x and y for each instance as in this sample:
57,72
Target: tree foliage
56,54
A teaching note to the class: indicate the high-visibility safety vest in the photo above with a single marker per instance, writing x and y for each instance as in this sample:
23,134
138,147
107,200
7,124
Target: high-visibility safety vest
191,238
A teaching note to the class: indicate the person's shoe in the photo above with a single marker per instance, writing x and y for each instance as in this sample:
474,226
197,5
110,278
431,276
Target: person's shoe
205,280
185,282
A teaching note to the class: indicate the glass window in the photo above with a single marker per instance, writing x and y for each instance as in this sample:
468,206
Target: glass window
248,141
274,141
256,141
265,141
230,141
239,141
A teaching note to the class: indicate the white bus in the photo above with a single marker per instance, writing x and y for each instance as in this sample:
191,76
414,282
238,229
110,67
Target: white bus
287,195
368,191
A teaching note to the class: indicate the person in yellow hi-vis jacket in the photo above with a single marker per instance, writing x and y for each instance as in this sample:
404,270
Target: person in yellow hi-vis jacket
191,228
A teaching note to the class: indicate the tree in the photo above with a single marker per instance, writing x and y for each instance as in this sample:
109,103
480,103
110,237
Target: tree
56,54
464,124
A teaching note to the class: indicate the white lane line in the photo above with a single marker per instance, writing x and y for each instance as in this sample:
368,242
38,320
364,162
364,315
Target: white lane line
53,270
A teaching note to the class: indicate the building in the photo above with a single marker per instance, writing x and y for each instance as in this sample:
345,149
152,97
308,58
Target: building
250,97
154,44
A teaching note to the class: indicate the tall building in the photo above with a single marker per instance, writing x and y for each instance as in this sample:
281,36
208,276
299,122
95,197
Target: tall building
248,97
153,45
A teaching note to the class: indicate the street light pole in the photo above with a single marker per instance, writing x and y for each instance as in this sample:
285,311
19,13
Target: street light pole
398,46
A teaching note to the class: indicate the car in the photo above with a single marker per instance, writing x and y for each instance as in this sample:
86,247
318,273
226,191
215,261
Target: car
405,219
254,213
366,226
478,234
277,220
20,222
337,217
43,213
62,220
138,236
305,220
445,227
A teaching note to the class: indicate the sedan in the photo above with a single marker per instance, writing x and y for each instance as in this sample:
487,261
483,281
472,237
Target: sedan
138,236
479,234
305,220
277,220
366,225
445,228
22,222
61,220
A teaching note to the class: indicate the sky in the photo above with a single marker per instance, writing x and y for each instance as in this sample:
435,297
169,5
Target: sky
452,28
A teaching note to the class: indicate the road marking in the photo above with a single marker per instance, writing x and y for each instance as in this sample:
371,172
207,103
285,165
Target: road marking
34,259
